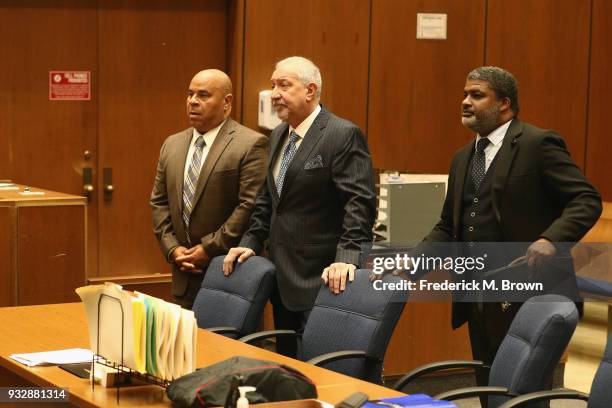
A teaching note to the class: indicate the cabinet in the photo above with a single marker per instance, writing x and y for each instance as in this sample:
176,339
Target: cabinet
42,246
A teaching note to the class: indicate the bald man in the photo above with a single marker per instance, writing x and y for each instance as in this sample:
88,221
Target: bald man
208,177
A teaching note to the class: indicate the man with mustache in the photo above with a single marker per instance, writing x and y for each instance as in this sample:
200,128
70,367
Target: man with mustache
318,205
208,177
513,183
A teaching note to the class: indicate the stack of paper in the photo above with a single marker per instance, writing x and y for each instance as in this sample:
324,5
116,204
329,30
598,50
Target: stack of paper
8,186
57,357
159,338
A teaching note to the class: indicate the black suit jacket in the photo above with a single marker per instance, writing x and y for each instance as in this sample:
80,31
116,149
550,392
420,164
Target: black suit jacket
326,209
538,192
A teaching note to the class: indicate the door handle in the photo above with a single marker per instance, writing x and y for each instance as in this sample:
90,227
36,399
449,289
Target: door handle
88,187
108,183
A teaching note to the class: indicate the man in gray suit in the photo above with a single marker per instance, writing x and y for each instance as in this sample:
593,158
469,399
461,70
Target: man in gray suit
318,204
208,177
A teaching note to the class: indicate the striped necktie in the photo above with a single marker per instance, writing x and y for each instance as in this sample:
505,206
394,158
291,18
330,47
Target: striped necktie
191,180
288,154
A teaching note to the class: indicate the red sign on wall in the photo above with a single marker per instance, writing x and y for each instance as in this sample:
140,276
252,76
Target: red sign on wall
69,85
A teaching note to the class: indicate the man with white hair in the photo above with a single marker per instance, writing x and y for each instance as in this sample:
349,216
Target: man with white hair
318,205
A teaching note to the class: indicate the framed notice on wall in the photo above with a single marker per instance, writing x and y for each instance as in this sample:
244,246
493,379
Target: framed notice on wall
431,26
69,85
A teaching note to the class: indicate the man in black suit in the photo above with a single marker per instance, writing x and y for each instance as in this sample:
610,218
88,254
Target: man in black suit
318,205
514,183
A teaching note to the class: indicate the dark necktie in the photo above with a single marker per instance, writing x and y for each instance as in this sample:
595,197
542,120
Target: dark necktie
478,166
288,154
191,180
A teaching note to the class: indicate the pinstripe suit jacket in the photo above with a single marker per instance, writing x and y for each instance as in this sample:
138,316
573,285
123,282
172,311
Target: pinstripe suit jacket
326,209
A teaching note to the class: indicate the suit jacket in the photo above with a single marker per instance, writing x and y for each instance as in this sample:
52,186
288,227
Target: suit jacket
325,211
538,192
230,179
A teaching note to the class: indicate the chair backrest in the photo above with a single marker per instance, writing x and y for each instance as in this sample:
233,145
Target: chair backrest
360,318
236,300
601,390
531,350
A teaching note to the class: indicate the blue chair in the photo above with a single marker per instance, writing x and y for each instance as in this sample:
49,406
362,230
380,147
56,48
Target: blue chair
527,357
233,305
349,332
601,389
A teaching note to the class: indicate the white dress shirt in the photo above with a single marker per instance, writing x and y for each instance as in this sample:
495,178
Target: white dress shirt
496,138
209,138
301,131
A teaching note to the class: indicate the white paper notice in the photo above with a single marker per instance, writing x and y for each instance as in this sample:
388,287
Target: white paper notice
68,356
431,26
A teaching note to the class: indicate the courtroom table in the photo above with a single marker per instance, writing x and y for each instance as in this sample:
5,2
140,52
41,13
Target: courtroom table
27,329
42,246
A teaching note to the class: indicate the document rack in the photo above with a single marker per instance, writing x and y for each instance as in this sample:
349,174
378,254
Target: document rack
122,370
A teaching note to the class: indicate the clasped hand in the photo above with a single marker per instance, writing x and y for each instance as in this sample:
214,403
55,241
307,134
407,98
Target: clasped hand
192,259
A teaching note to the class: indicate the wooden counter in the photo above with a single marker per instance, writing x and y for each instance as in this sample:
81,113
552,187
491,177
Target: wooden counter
42,246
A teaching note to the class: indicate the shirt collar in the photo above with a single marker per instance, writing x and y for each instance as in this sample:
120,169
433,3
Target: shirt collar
209,137
496,137
303,127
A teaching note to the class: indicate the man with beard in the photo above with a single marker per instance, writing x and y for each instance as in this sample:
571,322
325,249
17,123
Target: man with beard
513,183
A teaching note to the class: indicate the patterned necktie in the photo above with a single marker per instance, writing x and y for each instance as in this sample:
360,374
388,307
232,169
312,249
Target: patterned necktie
478,166
288,154
191,180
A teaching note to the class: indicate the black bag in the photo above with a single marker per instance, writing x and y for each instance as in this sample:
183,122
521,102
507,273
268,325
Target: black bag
216,385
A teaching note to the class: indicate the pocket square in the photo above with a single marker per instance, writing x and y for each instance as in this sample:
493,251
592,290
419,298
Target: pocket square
315,163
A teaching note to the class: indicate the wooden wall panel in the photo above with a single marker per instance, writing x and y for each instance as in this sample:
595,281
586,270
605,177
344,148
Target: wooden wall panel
51,253
235,52
598,167
424,335
149,51
7,258
332,33
545,44
416,86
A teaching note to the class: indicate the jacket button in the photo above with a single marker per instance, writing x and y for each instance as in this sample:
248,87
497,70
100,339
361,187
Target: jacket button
475,199
471,229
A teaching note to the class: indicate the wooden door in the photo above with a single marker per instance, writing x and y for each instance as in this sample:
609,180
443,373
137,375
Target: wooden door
141,56
149,51
42,142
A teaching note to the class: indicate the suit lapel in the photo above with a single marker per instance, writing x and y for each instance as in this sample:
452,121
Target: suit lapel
276,142
461,173
311,138
506,154
181,154
224,137
277,137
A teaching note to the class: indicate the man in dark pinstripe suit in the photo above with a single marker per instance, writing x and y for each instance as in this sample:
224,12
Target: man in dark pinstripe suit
318,204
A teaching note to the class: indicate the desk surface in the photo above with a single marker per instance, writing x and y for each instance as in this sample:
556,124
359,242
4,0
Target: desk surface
29,329
14,197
